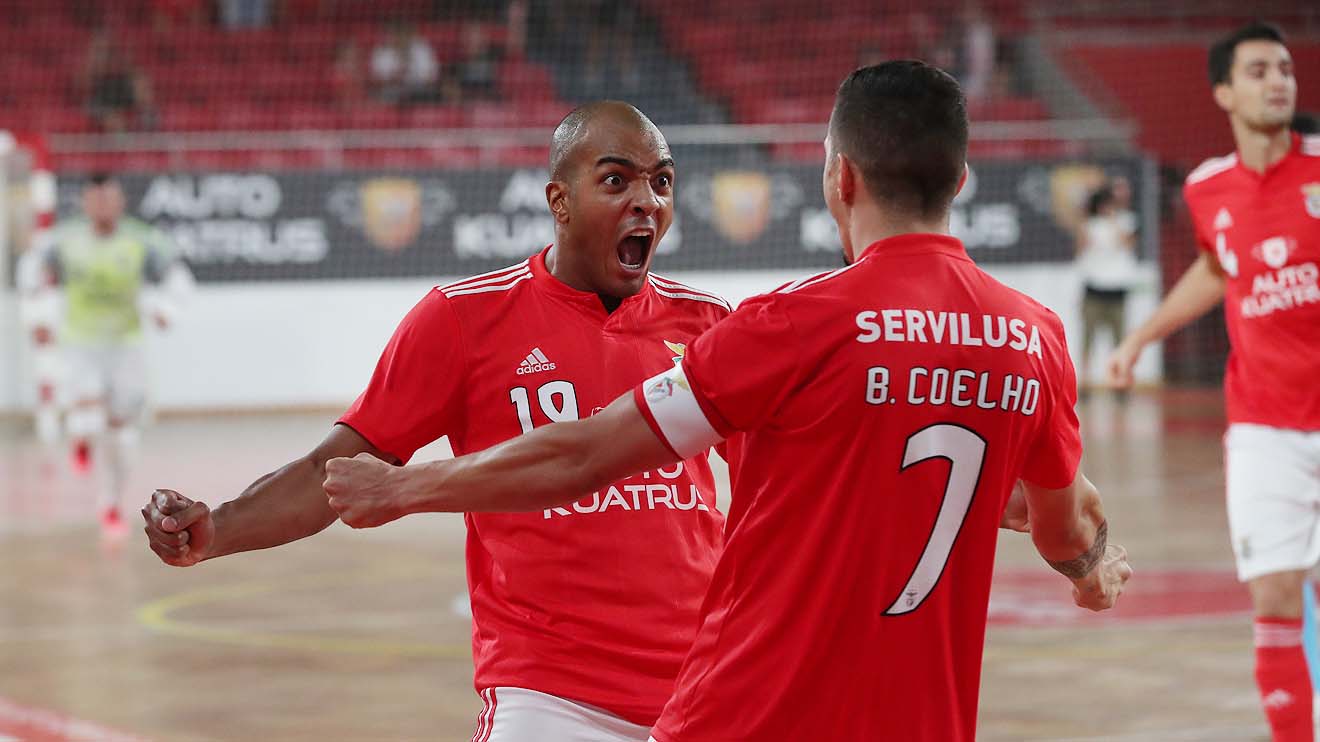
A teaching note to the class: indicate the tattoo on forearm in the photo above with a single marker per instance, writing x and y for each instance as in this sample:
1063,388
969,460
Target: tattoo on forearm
1082,565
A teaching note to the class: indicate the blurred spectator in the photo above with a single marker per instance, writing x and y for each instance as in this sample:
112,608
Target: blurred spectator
548,26
1107,261
118,93
236,14
933,46
1305,123
479,66
978,51
1127,218
170,14
485,10
404,68
515,43
610,67
347,77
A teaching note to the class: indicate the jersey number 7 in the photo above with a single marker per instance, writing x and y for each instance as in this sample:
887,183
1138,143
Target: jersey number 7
965,451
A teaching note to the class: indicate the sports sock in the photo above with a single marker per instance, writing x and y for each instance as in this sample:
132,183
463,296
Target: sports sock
1283,678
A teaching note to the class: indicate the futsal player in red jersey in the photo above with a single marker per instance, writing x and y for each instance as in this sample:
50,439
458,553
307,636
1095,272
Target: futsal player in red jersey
888,408
1257,218
582,612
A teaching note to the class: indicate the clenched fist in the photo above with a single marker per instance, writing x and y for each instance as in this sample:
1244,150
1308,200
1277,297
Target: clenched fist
1099,591
363,491
178,529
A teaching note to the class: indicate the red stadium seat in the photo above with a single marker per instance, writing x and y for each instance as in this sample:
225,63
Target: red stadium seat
372,117
53,119
493,116
434,117
547,113
526,81
188,117
320,118
1168,105
1007,109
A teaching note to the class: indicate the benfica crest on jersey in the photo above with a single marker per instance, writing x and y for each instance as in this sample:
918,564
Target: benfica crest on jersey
678,349
1311,195
392,212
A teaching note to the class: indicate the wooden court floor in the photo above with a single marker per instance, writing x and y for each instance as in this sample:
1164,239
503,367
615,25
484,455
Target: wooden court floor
362,636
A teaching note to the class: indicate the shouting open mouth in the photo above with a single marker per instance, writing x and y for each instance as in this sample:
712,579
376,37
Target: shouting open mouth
635,247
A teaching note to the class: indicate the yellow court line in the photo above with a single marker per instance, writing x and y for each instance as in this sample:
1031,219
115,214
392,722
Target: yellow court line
156,615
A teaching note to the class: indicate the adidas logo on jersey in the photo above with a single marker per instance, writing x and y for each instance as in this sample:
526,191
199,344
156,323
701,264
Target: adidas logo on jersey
1223,220
535,362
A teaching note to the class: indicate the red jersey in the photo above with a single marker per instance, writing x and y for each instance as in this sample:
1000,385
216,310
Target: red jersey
889,408
1264,231
595,601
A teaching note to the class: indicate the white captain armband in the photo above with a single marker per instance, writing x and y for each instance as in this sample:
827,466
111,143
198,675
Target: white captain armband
670,406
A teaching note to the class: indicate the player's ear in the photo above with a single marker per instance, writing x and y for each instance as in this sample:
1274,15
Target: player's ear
846,182
1223,93
556,195
963,180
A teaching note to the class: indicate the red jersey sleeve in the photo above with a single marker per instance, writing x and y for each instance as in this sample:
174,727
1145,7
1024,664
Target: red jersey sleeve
733,377
1204,242
1057,451
413,397
742,369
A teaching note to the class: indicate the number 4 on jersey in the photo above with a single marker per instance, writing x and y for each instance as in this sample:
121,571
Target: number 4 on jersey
965,451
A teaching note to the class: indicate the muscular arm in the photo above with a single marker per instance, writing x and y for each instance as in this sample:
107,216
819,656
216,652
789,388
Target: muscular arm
547,467
287,504
1064,522
1069,530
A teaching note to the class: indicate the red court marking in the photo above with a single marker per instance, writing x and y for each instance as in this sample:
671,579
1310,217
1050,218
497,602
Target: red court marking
40,725
1044,598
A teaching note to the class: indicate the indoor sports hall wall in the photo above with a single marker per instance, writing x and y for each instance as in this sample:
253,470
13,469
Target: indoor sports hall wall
302,275
244,346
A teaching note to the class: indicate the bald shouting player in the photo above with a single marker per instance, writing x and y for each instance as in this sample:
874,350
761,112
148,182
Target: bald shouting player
581,612
888,408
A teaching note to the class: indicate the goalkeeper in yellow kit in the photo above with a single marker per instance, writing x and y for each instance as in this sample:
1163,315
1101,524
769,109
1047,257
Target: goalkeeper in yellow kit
104,263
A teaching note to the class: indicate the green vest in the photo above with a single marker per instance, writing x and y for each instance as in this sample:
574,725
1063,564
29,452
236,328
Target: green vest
102,277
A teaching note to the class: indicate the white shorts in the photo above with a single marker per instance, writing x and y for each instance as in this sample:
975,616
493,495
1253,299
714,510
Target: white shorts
1273,482
114,375
521,715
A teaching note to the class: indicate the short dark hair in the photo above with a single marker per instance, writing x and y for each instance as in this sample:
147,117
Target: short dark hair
1221,54
1100,198
100,178
904,124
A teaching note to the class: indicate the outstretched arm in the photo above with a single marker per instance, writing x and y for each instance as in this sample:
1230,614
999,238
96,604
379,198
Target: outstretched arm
285,505
547,467
1199,290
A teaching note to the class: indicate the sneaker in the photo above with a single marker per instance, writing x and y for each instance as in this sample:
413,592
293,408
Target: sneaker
82,457
113,529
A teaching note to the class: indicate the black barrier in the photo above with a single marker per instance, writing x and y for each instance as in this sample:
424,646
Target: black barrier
259,226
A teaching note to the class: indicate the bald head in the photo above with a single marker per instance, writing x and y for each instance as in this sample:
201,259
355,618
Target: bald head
577,126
